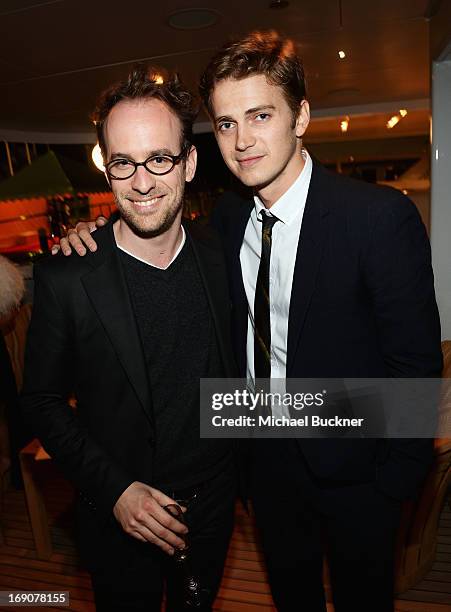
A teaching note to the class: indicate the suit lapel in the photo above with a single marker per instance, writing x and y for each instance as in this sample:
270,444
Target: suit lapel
240,318
107,289
211,266
309,252
240,222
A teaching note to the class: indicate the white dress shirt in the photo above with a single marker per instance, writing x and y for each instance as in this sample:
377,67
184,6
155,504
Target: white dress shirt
289,209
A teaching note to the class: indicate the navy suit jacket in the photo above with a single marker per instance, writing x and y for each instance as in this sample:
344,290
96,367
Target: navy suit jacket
362,306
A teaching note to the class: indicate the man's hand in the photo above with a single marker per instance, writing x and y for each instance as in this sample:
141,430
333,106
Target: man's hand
140,511
79,237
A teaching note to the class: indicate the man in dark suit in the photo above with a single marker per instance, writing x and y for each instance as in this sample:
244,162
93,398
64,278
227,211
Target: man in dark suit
351,295
129,330
347,269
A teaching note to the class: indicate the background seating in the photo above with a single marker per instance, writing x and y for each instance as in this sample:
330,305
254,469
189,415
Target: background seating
417,537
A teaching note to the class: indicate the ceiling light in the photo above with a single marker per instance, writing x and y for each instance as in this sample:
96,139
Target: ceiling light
193,19
393,121
97,158
344,124
341,54
159,79
396,118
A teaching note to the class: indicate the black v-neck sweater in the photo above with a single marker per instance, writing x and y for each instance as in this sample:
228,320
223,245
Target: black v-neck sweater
180,347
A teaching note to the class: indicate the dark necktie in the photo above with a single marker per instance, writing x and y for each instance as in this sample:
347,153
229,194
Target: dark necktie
262,331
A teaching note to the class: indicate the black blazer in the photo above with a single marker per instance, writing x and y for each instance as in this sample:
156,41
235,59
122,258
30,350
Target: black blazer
83,339
362,306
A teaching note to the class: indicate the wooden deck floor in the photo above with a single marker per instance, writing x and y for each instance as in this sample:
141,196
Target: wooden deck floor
244,586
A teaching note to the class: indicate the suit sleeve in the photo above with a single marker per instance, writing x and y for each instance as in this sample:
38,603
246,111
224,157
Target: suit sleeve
49,368
400,280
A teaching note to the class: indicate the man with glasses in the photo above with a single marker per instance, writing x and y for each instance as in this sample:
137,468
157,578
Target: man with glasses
129,330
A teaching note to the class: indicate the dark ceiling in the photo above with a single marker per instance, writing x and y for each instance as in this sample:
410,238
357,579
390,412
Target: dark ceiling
56,56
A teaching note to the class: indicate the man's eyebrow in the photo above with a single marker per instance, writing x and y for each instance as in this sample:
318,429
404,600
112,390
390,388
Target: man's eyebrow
249,111
153,153
119,155
223,118
259,109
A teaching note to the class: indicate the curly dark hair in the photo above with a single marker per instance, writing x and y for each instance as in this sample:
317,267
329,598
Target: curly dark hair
260,52
141,83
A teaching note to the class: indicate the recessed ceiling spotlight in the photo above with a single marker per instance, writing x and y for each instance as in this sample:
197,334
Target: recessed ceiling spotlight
396,118
341,54
393,121
344,124
193,19
278,4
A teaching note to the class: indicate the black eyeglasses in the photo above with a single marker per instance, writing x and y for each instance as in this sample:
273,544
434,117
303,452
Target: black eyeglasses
122,168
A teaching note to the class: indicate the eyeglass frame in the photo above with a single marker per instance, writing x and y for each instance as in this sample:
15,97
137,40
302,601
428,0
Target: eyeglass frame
176,159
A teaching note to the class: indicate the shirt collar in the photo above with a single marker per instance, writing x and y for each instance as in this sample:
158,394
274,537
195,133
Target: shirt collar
176,254
287,207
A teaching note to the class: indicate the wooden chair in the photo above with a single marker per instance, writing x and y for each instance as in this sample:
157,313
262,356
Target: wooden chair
35,502
15,342
417,537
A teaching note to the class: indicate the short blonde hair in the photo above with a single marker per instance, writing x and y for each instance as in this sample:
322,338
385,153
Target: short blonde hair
12,287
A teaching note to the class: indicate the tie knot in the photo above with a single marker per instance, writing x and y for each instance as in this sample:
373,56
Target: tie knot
268,223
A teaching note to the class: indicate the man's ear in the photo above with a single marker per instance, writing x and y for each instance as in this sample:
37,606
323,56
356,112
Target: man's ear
303,118
191,164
